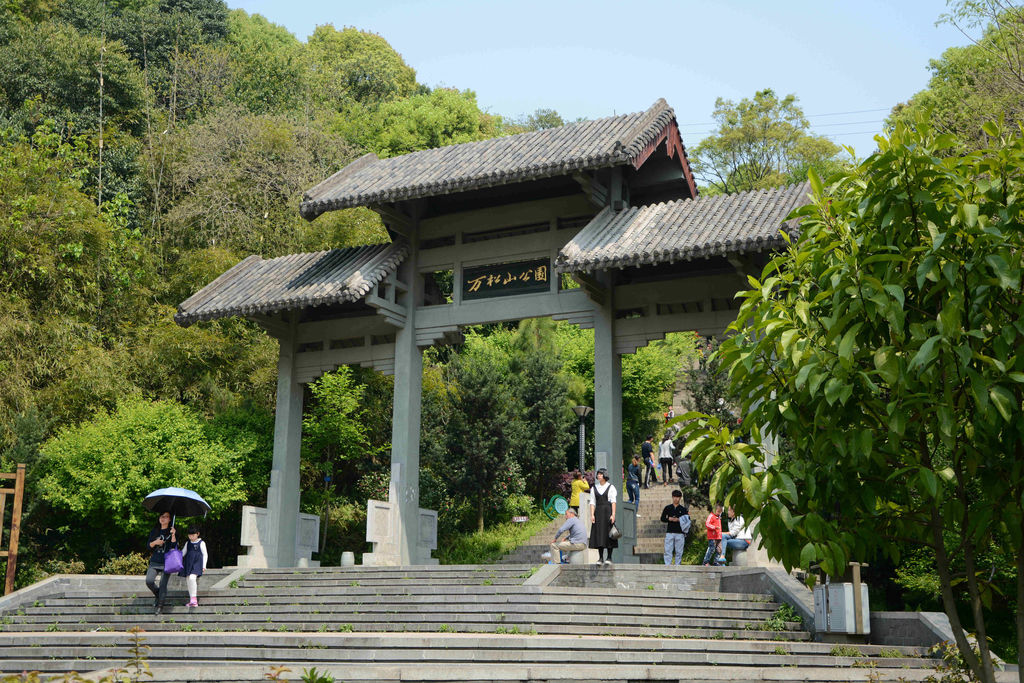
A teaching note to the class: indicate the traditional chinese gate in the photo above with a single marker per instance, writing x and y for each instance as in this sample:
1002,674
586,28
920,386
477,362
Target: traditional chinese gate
610,203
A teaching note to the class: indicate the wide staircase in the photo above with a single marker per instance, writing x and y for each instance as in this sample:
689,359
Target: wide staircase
525,622
651,530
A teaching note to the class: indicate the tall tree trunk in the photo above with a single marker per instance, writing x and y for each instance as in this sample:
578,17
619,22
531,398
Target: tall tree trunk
949,601
977,611
480,514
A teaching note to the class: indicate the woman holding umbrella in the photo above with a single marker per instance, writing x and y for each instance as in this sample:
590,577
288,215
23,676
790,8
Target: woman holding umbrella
168,501
161,539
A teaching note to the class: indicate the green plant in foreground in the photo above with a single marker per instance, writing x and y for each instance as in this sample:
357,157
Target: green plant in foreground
314,676
845,651
779,650
777,621
891,653
445,628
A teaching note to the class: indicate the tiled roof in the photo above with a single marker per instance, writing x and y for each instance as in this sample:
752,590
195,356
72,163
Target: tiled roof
589,145
256,285
683,230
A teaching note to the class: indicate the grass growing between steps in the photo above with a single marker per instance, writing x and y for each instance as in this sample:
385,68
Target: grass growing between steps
488,546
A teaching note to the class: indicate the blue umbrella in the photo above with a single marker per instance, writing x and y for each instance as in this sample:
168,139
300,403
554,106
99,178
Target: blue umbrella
179,502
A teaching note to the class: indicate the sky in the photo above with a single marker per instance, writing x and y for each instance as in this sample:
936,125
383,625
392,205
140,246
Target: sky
848,62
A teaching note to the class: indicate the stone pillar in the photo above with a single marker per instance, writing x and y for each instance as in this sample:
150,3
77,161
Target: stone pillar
283,494
608,418
405,425
607,396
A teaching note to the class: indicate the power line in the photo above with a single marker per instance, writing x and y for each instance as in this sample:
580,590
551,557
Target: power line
809,116
847,123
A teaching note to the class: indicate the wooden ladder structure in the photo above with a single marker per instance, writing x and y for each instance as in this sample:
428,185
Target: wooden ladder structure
12,547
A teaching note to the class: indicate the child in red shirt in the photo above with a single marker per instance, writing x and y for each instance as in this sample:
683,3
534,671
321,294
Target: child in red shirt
714,527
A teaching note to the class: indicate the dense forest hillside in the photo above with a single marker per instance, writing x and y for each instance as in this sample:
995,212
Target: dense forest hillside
146,147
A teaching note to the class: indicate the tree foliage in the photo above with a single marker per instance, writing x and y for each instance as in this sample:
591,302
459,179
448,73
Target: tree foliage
761,143
976,83
355,67
885,345
97,473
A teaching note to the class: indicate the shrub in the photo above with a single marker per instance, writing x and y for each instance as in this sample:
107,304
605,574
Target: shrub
516,504
130,564
73,566
374,485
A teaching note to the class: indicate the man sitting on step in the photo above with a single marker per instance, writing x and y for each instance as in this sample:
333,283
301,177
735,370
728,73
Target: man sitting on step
577,539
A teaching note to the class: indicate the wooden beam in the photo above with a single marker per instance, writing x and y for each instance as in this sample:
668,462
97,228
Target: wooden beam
594,289
12,549
595,191
395,219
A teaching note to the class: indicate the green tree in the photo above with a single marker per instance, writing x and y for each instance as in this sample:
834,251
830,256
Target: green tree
442,117
541,388
333,433
708,384
266,64
235,180
975,83
55,70
542,119
355,67
885,345
94,476
484,431
761,143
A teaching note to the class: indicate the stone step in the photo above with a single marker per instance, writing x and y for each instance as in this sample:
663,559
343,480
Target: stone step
456,623
322,573
646,586
395,642
313,655
744,610
196,672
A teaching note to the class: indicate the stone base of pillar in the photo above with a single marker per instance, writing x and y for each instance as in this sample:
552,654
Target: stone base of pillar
261,553
382,529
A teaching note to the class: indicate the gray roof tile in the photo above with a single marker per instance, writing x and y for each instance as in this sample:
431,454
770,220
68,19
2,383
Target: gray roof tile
588,145
256,285
683,230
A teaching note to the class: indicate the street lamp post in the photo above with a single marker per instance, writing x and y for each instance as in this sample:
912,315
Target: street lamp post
581,413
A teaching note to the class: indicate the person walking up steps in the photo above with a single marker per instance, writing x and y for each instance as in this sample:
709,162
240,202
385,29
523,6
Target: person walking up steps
633,482
665,458
677,518
647,455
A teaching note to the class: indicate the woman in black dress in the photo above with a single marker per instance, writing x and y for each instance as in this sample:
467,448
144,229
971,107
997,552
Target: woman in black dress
602,516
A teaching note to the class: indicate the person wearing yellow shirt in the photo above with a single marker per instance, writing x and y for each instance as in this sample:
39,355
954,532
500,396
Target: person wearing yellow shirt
579,485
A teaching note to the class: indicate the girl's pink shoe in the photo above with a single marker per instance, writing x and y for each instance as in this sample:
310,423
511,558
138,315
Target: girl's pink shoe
193,603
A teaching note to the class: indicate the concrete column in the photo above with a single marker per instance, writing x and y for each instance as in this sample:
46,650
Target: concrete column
405,427
607,396
608,420
283,494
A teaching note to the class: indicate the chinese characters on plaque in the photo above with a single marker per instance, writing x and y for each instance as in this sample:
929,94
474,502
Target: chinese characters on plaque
505,279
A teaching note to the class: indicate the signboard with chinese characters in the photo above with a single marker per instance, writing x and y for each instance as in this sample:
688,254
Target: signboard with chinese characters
506,279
